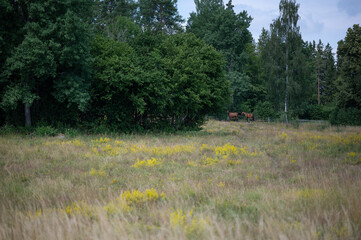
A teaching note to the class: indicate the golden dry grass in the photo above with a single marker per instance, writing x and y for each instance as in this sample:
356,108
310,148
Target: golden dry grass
232,180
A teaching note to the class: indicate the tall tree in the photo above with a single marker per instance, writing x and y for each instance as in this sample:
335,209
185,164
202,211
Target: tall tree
221,27
319,69
329,87
10,37
286,72
325,72
160,16
111,13
218,25
158,81
52,59
349,62
290,35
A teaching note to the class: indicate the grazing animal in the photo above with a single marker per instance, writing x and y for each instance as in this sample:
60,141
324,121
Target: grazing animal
232,115
248,116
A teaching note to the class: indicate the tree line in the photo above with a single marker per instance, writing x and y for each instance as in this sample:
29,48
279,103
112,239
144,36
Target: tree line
133,65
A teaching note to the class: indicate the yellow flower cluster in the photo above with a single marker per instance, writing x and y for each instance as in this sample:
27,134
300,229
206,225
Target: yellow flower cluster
227,149
221,184
310,194
74,142
206,148
160,151
117,206
76,208
354,139
128,199
101,140
193,164
186,221
209,161
245,152
353,158
311,136
135,197
309,145
108,150
81,208
292,160
147,163
119,142
283,136
103,146
98,173
230,150
37,213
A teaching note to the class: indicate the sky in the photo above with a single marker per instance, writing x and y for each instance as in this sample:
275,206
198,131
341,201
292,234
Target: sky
327,20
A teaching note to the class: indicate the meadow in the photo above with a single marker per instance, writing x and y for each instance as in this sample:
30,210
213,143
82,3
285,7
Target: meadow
231,180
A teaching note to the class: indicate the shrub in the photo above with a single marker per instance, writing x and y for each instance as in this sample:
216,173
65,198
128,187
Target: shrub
265,111
7,129
42,131
345,116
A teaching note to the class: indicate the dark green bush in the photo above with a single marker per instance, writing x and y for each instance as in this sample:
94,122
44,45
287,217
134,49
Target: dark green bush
44,131
265,111
8,129
346,116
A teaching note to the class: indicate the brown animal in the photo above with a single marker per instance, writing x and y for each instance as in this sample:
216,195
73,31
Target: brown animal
248,116
232,115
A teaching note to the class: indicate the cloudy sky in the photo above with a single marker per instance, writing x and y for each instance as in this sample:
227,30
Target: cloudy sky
327,20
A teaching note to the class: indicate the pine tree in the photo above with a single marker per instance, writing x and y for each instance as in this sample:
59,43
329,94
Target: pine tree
159,16
218,25
349,62
114,16
222,28
325,72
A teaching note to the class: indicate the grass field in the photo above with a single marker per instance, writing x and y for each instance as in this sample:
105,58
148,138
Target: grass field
231,180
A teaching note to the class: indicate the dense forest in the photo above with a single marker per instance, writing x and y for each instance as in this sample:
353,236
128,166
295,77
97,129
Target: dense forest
127,65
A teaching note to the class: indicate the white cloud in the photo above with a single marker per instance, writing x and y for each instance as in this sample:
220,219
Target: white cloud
351,7
263,5
327,20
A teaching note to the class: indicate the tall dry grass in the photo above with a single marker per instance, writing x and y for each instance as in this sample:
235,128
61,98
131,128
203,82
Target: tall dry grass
231,180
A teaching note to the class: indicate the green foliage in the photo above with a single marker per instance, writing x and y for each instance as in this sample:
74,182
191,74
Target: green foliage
106,11
228,32
265,111
160,16
348,84
317,112
107,65
172,83
51,59
325,72
345,116
221,27
29,66
8,129
285,62
198,82
122,29
44,131
349,62
116,82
